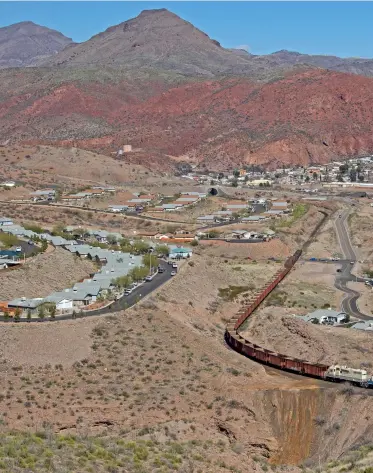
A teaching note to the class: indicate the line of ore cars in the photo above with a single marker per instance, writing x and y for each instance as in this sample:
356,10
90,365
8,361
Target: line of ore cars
335,373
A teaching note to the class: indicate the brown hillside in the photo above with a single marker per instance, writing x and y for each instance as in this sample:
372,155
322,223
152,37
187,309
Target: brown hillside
310,116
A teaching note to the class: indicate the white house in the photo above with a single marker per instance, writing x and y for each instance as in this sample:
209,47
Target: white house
325,317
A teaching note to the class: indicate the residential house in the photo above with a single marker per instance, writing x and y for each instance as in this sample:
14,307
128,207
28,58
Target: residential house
118,208
240,234
4,221
178,252
254,218
26,305
325,317
169,207
208,218
63,302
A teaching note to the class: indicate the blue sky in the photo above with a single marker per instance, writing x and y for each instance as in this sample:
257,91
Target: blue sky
338,28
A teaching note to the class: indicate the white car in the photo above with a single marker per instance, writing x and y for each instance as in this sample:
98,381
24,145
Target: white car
174,265
173,273
19,249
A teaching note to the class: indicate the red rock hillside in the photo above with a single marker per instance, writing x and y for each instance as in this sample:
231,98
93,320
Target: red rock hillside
309,116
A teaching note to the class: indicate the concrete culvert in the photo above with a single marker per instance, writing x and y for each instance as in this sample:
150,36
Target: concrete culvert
213,191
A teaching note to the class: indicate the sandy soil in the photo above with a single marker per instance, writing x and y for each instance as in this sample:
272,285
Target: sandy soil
46,343
256,251
309,286
326,245
273,329
35,164
360,228
197,296
299,231
44,274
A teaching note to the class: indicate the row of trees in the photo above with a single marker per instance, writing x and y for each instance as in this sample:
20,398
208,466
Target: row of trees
137,274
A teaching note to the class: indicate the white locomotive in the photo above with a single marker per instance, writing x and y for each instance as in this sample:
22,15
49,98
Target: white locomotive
344,373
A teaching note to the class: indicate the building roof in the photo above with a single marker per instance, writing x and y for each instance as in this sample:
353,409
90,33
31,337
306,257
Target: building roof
207,217
367,325
177,249
5,220
321,313
26,303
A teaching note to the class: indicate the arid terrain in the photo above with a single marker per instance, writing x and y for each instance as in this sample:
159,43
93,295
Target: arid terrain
156,387
199,103
43,274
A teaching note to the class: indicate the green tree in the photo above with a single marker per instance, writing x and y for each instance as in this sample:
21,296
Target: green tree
353,175
236,173
52,310
315,176
150,260
111,239
234,183
73,315
122,281
140,247
8,240
162,250
29,315
17,314
361,177
343,169
41,312
213,234
33,227
139,273
339,178
307,179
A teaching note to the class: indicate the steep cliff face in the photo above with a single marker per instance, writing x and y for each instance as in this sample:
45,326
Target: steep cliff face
314,425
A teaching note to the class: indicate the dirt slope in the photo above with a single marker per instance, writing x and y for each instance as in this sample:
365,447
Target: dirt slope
44,274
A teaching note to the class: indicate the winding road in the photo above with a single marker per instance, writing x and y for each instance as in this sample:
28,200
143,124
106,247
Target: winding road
349,303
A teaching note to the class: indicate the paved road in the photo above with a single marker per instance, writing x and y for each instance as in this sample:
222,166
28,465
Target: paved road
139,293
349,303
121,304
26,248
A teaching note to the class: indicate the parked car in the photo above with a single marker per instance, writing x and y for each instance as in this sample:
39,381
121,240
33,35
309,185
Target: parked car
160,270
127,292
148,278
30,242
19,249
173,273
174,265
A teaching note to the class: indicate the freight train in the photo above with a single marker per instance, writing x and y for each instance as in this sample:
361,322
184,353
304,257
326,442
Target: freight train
245,347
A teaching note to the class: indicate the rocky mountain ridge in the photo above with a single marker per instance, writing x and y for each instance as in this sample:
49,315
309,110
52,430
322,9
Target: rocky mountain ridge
160,84
26,44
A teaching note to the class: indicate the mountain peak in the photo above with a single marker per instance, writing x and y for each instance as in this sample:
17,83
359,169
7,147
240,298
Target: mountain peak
26,43
155,39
